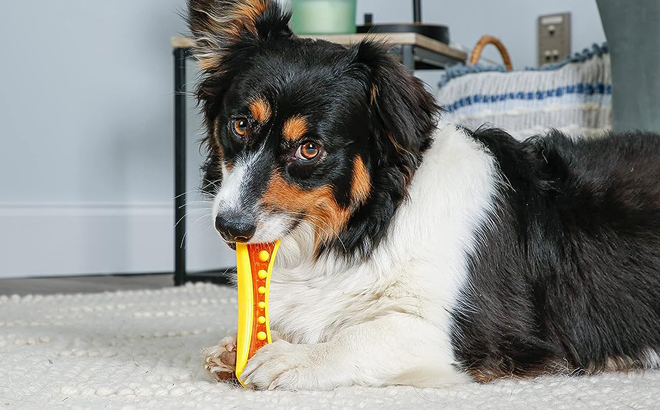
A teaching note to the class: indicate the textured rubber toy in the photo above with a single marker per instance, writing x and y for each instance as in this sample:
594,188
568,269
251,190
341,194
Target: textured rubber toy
254,263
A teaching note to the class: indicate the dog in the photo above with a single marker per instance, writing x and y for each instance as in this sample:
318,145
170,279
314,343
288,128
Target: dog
413,251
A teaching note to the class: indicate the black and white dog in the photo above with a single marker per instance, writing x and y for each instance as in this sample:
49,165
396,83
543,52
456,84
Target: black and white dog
414,251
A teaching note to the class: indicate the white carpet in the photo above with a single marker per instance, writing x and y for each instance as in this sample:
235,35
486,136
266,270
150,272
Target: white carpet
141,350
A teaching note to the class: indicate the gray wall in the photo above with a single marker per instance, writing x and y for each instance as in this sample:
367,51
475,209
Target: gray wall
86,157
86,124
86,100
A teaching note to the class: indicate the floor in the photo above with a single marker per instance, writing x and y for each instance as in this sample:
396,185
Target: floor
84,284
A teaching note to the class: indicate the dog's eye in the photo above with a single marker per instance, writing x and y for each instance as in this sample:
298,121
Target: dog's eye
308,150
239,127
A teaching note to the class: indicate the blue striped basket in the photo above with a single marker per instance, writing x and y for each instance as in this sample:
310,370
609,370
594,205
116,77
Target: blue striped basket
573,95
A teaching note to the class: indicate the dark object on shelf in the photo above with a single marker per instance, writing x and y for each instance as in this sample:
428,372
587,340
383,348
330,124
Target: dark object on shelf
440,33
434,31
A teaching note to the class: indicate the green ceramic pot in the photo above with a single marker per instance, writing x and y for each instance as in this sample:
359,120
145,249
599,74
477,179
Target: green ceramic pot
323,16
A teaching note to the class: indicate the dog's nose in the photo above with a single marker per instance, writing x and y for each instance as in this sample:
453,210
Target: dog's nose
235,227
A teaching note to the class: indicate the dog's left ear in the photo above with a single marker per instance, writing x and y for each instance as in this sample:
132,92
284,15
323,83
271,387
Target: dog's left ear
218,25
404,114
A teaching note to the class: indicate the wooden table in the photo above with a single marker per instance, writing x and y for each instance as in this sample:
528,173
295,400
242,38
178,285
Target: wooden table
415,51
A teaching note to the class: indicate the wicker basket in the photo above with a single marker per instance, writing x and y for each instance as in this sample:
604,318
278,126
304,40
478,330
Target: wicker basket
483,42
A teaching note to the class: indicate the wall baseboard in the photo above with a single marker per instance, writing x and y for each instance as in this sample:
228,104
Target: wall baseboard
83,239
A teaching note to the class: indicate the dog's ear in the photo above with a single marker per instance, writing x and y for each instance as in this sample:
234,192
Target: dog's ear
217,25
404,114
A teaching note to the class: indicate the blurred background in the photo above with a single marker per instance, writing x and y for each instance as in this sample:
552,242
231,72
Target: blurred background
87,119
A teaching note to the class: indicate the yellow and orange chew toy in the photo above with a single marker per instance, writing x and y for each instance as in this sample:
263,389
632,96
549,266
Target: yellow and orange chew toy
254,264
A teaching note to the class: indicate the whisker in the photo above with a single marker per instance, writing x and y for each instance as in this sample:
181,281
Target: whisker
190,229
188,213
200,190
211,183
196,202
192,191
209,228
288,218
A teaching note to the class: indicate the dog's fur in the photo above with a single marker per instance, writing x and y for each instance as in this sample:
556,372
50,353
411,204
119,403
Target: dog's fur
414,251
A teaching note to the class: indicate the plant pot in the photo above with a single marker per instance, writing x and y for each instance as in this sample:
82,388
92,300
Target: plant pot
323,16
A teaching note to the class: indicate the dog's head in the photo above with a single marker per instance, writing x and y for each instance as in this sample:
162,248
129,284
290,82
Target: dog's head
302,131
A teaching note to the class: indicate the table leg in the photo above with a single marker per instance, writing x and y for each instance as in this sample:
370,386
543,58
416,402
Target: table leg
179,165
408,57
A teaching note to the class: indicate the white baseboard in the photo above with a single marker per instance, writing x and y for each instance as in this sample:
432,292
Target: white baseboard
83,239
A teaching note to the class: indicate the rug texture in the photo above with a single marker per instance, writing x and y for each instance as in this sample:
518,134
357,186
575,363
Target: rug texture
141,350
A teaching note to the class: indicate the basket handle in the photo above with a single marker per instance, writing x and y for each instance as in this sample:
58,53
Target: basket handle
483,42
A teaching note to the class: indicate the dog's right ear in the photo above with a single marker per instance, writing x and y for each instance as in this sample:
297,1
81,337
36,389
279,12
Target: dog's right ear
404,114
218,25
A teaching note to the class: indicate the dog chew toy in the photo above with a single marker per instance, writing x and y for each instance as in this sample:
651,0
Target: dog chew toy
254,264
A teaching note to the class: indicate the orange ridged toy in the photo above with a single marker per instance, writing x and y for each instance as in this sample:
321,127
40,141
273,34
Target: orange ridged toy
254,264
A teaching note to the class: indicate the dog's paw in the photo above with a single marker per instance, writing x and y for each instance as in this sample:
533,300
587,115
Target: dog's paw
282,365
220,360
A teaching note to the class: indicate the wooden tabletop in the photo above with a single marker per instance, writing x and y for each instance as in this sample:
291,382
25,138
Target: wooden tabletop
388,38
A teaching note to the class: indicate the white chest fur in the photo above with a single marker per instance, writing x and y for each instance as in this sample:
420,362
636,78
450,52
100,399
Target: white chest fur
417,269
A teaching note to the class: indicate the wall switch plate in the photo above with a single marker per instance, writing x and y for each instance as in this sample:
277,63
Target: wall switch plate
554,37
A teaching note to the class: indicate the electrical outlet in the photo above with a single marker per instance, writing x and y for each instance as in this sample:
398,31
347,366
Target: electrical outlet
554,37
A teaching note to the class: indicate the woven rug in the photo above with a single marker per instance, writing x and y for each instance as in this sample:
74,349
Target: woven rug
141,350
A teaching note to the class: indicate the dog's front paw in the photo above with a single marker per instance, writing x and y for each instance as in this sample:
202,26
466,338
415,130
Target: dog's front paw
282,365
220,360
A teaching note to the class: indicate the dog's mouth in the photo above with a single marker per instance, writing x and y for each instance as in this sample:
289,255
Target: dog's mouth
232,244
270,228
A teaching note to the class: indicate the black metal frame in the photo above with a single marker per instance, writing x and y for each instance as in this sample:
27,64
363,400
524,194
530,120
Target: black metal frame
180,274
413,57
417,11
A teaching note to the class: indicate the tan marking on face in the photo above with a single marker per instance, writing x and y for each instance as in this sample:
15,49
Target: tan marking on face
294,128
361,184
260,110
318,206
